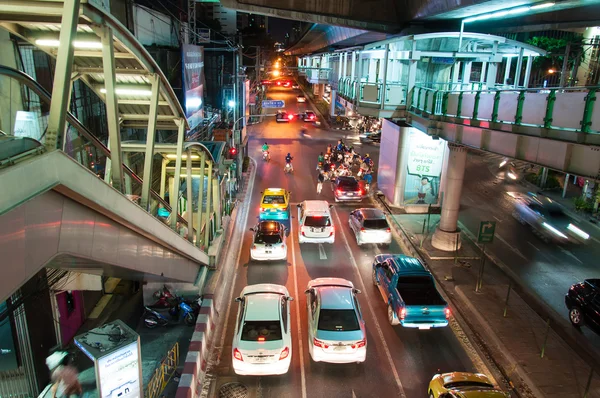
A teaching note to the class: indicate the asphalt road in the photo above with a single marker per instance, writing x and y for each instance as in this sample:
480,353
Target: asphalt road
400,362
548,270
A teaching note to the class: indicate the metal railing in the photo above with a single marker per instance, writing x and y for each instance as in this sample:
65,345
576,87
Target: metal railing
564,108
370,93
163,374
13,383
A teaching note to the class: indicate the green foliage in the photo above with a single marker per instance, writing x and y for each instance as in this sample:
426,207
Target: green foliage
552,183
556,49
583,204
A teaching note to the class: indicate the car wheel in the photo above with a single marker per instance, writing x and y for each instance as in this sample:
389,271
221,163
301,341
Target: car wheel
391,316
576,317
374,277
151,321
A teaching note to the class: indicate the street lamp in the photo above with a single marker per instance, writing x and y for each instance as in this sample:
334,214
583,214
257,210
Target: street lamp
231,103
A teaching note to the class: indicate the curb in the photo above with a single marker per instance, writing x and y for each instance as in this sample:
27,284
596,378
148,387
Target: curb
491,336
194,369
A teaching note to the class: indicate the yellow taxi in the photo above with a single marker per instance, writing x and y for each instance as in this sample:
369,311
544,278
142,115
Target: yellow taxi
464,385
275,204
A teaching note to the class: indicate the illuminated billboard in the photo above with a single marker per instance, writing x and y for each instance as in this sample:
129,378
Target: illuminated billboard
424,168
192,60
119,373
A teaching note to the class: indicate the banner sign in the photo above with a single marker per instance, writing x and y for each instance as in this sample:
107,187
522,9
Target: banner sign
192,60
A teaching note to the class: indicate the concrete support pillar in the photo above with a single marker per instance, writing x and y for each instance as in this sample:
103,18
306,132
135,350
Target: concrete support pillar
519,67
566,185
189,195
112,108
107,166
340,62
150,138
466,74
163,177
528,71
208,205
200,200
507,70
217,201
62,86
446,236
386,59
126,176
174,196
455,76
332,104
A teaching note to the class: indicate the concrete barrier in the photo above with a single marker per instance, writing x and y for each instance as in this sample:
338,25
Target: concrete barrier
194,369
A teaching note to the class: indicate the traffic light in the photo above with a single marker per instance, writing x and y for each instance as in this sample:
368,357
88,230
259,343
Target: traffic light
232,151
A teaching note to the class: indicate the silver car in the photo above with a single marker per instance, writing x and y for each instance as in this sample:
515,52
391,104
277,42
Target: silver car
547,219
370,226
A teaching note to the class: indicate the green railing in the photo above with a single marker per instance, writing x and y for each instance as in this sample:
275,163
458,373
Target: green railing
572,108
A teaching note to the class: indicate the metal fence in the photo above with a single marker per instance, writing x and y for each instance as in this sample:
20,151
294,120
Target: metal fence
13,384
163,373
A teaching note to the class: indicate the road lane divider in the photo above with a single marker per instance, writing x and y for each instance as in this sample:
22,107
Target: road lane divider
371,308
322,254
297,301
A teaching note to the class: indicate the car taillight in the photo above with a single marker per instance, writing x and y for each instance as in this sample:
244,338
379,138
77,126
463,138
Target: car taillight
360,191
338,191
237,354
402,313
363,229
312,117
253,247
290,117
283,246
388,230
447,311
284,354
262,209
319,343
360,344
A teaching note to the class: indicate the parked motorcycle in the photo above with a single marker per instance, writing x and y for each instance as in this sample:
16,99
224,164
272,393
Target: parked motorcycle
182,312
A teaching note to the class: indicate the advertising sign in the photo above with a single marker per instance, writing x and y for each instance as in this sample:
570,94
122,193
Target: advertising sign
192,60
119,373
424,168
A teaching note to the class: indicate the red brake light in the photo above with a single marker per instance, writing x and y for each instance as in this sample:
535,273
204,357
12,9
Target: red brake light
360,344
311,117
362,229
262,209
279,83
261,338
402,313
290,117
284,354
360,191
319,343
338,191
447,311
237,354
388,230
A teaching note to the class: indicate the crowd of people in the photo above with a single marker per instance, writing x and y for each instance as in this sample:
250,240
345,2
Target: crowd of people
342,160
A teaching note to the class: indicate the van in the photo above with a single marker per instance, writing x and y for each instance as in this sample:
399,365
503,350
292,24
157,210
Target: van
315,222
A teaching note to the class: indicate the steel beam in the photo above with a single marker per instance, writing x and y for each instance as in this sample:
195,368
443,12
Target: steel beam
208,206
519,67
150,139
61,86
176,179
112,108
189,211
217,200
200,200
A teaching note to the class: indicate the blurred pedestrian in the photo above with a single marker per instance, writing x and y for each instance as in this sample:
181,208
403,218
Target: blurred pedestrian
65,377
320,180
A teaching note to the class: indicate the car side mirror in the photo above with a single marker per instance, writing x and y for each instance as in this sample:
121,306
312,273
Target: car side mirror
356,291
238,299
289,298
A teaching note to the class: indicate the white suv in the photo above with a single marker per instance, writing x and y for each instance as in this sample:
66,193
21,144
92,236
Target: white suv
262,342
315,222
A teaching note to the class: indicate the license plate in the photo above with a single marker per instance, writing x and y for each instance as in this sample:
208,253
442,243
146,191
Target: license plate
268,251
339,348
273,210
350,194
424,327
261,359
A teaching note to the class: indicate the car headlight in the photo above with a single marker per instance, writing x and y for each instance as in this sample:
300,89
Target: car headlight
511,175
554,230
578,231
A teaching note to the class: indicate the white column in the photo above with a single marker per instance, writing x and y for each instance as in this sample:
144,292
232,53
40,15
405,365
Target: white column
345,64
386,59
492,72
217,202
483,72
528,71
332,104
410,85
353,67
163,177
466,74
519,67
566,185
455,75
507,70
150,138
62,86
200,200
112,108
446,235
208,205
174,196
339,68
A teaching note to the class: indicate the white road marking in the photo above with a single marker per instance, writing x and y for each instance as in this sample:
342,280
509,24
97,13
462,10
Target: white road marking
371,309
595,240
353,394
322,254
514,250
297,301
499,220
532,245
568,253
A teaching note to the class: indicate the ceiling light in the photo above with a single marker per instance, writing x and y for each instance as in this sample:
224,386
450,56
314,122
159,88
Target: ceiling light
183,156
76,43
503,13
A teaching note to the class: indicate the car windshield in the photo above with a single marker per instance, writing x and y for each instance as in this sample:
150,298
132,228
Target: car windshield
261,331
317,221
376,224
267,239
555,212
274,200
338,320
348,183
459,384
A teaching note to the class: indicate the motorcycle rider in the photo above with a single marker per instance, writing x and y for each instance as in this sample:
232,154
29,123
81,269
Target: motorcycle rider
265,148
340,146
288,161
320,160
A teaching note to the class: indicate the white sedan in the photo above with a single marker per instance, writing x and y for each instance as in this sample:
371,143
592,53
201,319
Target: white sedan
370,226
336,329
301,98
262,342
268,242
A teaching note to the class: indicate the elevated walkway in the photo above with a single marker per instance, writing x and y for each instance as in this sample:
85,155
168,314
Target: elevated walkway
56,213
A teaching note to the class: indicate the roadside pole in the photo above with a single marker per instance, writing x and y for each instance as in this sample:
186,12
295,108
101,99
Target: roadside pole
486,233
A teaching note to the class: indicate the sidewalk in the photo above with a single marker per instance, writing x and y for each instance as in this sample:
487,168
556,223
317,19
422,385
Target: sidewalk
514,342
